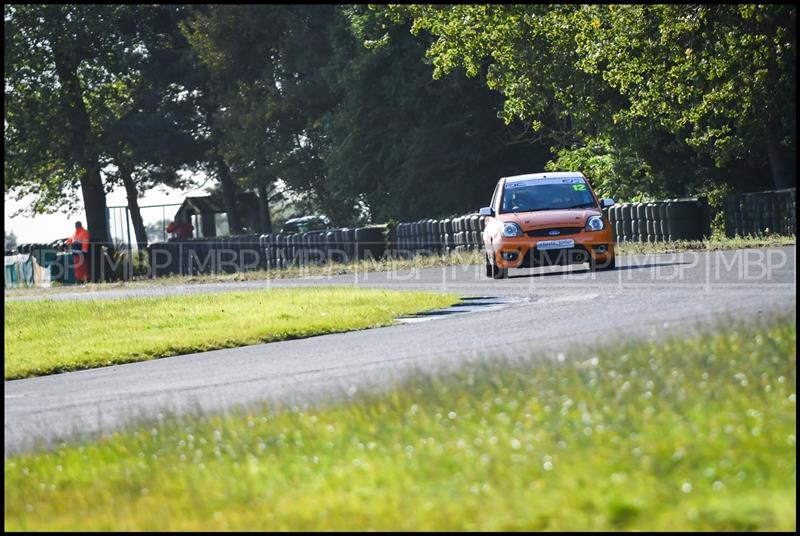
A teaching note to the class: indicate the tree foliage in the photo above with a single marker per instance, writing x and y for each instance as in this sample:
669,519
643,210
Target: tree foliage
399,111
46,147
88,102
157,129
410,146
100,95
366,133
709,87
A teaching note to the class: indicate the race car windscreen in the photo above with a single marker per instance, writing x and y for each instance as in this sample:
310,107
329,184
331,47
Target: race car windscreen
547,194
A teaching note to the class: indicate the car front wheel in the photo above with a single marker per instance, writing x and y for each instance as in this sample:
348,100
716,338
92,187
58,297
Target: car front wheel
494,272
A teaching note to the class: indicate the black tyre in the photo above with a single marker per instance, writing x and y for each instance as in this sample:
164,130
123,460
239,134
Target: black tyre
596,266
494,272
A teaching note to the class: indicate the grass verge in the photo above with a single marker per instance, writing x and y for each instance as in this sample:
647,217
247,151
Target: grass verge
416,262
694,434
45,337
713,243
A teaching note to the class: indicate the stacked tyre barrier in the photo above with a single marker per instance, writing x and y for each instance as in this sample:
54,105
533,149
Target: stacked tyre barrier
760,213
241,253
370,242
673,219
428,236
660,221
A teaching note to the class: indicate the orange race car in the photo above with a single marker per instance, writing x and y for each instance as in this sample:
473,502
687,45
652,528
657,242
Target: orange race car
545,219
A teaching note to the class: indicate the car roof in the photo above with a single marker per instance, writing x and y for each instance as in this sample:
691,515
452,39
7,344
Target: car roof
546,175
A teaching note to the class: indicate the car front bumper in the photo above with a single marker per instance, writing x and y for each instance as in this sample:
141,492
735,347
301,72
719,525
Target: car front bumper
522,251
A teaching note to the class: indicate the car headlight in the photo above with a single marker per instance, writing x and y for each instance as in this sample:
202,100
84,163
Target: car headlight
511,229
595,223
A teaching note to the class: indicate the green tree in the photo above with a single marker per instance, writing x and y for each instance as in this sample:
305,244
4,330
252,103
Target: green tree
527,53
722,77
55,57
680,95
262,63
358,131
152,133
405,145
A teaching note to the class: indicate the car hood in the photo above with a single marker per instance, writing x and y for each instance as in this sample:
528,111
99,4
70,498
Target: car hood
550,218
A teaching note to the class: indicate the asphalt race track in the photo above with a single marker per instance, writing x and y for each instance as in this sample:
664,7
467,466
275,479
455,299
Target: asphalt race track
540,312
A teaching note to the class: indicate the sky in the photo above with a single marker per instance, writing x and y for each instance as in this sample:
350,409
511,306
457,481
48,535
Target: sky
49,227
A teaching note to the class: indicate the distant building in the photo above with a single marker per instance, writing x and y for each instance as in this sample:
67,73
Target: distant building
208,215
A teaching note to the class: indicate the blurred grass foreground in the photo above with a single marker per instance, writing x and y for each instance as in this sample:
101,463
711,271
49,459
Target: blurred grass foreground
692,434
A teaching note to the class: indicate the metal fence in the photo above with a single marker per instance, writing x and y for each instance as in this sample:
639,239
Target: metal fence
120,226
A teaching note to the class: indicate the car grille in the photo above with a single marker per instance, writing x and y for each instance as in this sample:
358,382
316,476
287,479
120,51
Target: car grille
562,231
533,257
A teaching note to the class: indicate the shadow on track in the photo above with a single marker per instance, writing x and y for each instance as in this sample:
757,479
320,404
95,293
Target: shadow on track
586,270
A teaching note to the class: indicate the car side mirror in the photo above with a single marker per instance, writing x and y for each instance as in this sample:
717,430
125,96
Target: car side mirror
486,211
605,203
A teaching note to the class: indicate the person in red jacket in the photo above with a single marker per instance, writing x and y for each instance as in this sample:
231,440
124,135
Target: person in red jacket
180,229
80,246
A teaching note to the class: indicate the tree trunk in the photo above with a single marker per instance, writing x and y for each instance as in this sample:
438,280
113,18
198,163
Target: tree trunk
229,196
83,145
263,209
139,231
94,200
782,162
